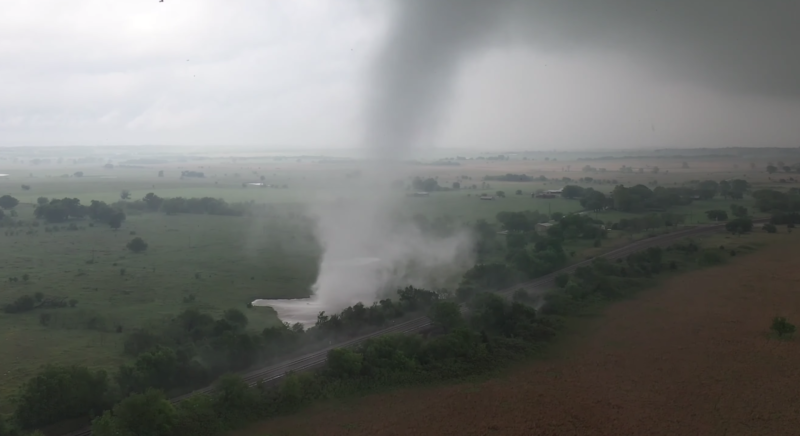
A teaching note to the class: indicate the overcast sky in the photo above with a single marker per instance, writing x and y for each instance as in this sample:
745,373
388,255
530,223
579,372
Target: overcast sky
311,74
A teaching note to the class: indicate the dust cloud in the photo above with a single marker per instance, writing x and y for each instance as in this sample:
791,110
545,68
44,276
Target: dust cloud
371,247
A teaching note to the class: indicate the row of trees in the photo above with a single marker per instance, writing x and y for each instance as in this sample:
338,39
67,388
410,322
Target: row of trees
494,331
61,210
190,351
640,198
491,331
205,205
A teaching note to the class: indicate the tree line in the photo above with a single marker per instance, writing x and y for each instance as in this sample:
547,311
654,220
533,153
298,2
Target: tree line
190,351
640,198
490,332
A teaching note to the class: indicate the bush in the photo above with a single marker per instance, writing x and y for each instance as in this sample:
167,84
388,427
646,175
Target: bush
739,225
710,258
344,363
770,228
137,245
521,295
149,414
24,303
561,280
781,326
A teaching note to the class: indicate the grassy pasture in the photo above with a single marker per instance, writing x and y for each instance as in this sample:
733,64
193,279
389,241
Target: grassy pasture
236,260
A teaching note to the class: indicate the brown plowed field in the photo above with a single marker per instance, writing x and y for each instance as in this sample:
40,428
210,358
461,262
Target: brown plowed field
692,357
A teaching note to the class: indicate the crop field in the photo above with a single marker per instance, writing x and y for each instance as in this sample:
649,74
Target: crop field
692,356
213,263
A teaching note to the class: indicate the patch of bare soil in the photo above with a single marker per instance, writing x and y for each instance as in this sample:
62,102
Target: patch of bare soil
692,357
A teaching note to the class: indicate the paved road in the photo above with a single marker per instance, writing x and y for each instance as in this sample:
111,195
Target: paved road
536,287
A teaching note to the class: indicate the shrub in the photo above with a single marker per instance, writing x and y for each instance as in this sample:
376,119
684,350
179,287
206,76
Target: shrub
739,225
770,228
710,258
521,295
137,245
781,326
561,280
24,303
57,393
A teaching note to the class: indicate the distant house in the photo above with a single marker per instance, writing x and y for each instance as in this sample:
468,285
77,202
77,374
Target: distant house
553,191
421,194
543,227
255,184
487,197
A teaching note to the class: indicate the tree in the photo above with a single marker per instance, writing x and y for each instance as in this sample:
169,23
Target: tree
343,362
42,201
561,280
521,295
572,191
116,219
519,191
685,165
236,317
125,194
655,170
25,277
78,174
772,169
161,173
456,185
781,326
426,185
196,417
738,211
137,245
717,215
501,194
26,187
8,202
446,314
739,225
58,393
149,414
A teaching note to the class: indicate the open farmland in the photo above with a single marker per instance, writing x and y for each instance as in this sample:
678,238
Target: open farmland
213,263
693,356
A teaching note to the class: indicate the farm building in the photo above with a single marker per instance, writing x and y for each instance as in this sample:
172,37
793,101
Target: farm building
487,197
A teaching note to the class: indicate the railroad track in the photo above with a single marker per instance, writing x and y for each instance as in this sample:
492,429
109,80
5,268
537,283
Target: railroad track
536,287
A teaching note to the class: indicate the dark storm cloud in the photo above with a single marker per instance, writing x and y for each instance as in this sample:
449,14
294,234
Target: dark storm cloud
730,46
